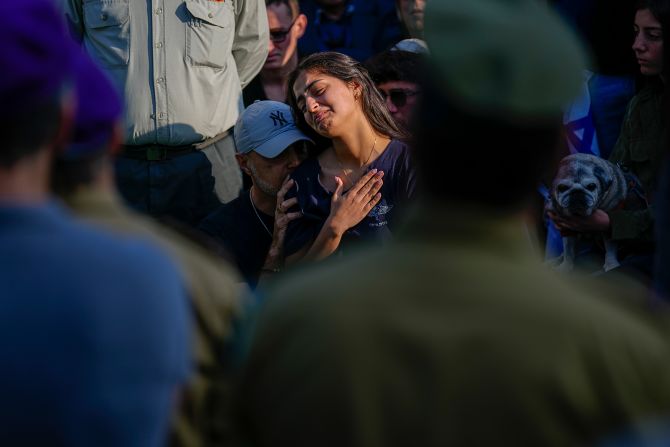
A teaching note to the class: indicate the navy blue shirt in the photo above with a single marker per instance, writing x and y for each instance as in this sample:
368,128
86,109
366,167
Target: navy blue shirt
244,233
314,200
366,28
94,334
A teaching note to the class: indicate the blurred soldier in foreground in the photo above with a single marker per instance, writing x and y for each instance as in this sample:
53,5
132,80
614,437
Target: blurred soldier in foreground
93,349
455,334
84,177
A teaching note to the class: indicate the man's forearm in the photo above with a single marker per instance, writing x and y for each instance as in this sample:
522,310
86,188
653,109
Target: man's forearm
250,48
274,260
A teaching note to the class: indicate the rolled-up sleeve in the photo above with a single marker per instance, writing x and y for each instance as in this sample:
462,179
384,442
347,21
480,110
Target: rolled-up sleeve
630,224
250,48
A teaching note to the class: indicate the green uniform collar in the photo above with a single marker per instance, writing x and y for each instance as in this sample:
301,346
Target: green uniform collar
96,202
469,226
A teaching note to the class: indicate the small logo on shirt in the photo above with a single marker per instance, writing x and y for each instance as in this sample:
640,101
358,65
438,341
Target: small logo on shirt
378,214
278,119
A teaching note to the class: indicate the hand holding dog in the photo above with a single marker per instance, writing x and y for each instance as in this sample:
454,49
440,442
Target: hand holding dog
598,221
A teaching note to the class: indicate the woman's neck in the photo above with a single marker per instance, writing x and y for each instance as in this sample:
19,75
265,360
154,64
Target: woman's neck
355,148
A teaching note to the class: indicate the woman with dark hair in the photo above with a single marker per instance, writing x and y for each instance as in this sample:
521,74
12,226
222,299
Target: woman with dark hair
641,144
341,193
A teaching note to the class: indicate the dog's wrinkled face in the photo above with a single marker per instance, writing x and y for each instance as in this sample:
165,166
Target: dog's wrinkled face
578,188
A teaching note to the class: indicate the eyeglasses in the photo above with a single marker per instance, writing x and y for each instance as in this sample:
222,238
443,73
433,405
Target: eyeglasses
398,95
280,36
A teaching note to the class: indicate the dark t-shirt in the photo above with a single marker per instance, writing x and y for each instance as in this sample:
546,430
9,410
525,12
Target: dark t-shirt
237,226
314,200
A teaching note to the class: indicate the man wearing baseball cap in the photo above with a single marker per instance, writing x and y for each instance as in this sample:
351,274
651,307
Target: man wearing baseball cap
93,349
455,334
253,226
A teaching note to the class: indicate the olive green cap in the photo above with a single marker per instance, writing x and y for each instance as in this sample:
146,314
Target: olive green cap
504,56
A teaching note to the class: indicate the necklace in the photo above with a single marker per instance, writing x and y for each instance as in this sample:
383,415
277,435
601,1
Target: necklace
258,215
344,171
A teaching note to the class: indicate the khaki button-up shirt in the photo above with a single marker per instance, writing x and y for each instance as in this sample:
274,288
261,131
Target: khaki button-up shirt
181,65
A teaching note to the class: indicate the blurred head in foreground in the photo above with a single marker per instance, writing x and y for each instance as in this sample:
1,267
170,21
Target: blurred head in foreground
493,99
36,61
96,133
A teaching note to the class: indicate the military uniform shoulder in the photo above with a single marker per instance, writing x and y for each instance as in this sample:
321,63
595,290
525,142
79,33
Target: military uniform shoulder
379,278
649,93
195,258
215,286
143,259
336,291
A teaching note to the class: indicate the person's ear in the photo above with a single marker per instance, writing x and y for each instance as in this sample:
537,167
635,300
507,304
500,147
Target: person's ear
65,126
357,90
300,26
243,160
116,139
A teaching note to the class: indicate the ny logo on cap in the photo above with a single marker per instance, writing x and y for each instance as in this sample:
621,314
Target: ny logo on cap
278,119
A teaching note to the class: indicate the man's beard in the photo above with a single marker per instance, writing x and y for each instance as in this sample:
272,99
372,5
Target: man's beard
265,187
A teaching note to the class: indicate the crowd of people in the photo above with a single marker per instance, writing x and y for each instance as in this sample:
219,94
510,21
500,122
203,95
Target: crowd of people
317,222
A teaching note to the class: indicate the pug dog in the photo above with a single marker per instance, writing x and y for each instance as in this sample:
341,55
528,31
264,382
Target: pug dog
583,184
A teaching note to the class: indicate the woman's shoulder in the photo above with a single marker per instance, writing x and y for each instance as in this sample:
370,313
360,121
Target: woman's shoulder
648,95
644,112
397,153
398,146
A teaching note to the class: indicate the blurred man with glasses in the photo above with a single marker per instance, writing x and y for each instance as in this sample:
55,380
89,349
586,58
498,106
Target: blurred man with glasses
287,25
411,14
397,75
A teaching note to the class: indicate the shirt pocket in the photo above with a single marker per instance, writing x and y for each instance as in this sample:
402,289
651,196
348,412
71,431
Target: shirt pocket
209,32
108,30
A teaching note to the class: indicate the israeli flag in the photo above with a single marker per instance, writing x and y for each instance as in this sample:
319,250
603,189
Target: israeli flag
578,122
